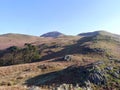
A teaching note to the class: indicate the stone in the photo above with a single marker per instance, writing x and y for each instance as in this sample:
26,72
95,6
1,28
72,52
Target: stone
96,76
109,68
34,88
116,75
67,58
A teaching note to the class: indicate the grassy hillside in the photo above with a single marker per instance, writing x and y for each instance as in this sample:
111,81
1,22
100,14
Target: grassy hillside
104,43
68,61
7,40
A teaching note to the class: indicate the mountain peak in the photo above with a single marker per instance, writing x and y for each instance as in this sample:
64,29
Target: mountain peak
100,32
53,34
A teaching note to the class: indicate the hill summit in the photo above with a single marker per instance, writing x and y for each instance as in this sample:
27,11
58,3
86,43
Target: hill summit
53,34
93,33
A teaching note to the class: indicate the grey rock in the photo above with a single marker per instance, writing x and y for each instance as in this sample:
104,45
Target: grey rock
67,58
109,68
97,76
116,75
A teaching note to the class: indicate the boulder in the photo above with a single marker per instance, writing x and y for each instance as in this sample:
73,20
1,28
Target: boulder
67,58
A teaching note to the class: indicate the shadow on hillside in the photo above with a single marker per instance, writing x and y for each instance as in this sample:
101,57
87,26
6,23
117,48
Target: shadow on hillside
78,48
70,75
70,49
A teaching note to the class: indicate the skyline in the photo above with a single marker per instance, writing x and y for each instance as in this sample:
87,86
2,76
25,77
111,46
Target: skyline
36,17
62,33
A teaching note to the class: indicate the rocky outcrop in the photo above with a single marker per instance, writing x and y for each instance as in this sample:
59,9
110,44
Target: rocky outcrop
99,73
97,76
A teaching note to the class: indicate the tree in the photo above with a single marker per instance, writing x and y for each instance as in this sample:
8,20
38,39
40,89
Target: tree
31,53
13,50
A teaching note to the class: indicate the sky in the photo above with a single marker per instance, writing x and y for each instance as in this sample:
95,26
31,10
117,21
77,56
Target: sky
35,17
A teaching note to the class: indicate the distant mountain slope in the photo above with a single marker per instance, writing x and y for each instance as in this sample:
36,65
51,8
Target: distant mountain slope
17,36
89,34
101,34
10,39
53,34
98,33
104,42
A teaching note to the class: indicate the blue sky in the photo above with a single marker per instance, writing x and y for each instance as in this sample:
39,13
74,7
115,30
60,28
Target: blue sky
36,17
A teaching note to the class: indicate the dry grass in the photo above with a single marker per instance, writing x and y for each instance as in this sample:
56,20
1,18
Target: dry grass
13,88
18,74
19,40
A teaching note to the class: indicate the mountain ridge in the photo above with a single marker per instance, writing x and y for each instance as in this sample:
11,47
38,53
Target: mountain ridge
53,34
100,32
59,33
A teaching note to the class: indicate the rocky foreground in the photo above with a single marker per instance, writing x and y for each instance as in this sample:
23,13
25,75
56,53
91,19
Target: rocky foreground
104,75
